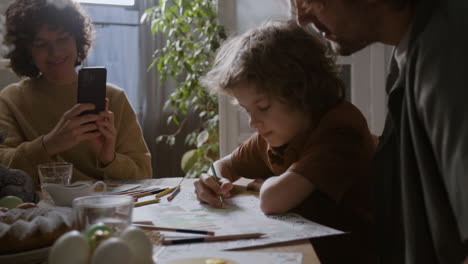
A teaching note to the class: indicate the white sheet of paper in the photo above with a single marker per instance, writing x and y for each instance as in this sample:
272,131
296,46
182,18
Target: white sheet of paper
241,215
170,255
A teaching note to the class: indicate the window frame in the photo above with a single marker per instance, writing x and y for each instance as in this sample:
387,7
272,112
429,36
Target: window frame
110,4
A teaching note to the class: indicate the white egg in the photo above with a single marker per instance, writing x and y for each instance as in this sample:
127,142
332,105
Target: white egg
139,244
112,251
70,248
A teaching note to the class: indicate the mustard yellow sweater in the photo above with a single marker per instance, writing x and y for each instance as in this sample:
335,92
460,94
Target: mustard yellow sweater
31,108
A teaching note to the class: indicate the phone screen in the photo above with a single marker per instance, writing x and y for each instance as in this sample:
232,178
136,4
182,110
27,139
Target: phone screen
92,88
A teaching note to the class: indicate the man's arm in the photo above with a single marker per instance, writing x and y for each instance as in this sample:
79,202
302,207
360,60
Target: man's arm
466,247
441,104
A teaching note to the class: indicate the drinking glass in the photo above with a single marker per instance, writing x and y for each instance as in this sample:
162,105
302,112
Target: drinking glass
55,172
115,211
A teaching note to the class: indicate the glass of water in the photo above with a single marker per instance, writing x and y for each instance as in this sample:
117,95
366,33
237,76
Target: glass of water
56,173
115,211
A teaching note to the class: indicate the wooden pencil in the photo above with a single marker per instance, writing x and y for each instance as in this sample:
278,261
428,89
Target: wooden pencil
180,230
167,191
147,202
217,180
139,195
211,238
130,192
114,185
173,194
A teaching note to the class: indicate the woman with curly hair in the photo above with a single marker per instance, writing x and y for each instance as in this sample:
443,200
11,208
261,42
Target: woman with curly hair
312,150
41,113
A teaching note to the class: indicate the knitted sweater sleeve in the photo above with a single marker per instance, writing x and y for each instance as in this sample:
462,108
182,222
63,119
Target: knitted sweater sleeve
132,158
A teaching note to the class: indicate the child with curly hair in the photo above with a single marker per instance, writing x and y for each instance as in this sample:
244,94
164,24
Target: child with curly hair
312,150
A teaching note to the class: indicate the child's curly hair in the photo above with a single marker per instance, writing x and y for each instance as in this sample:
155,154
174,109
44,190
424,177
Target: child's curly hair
25,17
283,61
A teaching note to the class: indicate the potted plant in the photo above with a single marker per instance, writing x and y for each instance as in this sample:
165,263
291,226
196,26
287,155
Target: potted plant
192,34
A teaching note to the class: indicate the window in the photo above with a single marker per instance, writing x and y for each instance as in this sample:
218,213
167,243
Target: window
116,47
108,2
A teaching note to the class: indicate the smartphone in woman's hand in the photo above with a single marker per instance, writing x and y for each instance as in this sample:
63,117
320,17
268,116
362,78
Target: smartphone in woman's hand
92,88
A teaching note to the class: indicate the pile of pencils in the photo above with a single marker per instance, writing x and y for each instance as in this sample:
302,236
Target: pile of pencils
157,191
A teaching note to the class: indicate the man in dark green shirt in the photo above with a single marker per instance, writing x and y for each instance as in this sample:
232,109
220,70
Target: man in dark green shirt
421,165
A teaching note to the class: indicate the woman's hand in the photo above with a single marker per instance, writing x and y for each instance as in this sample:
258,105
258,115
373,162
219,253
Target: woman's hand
104,144
208,190
71,130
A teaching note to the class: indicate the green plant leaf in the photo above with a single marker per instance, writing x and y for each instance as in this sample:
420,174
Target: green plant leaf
202,138
159,139
162,4
188,160
192,34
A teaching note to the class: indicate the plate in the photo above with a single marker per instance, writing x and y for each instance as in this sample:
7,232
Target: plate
27,257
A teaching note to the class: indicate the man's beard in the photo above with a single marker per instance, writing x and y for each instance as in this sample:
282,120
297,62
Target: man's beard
346,48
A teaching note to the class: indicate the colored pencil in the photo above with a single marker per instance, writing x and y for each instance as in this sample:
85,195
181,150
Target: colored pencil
130,192
210,239
139,191
173,194
147,202
169,190
114,185
180,230
217,180
139,195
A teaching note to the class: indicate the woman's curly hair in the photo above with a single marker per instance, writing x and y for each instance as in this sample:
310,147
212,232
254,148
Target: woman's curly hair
282,60
25,17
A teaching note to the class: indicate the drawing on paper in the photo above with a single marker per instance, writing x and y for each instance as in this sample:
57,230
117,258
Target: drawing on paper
242,216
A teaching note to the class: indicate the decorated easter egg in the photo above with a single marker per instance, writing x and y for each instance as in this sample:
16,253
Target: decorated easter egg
112,251
71,248
97,233
139,244
10,201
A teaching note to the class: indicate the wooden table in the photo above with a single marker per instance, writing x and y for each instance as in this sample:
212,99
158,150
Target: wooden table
301,246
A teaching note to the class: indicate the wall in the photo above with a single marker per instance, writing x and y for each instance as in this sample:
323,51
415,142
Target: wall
6,75
251,13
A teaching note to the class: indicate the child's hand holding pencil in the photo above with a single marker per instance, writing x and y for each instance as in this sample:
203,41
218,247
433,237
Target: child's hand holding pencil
212,189
215,177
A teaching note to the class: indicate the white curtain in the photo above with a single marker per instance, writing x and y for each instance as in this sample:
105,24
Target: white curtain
116,47
125,47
